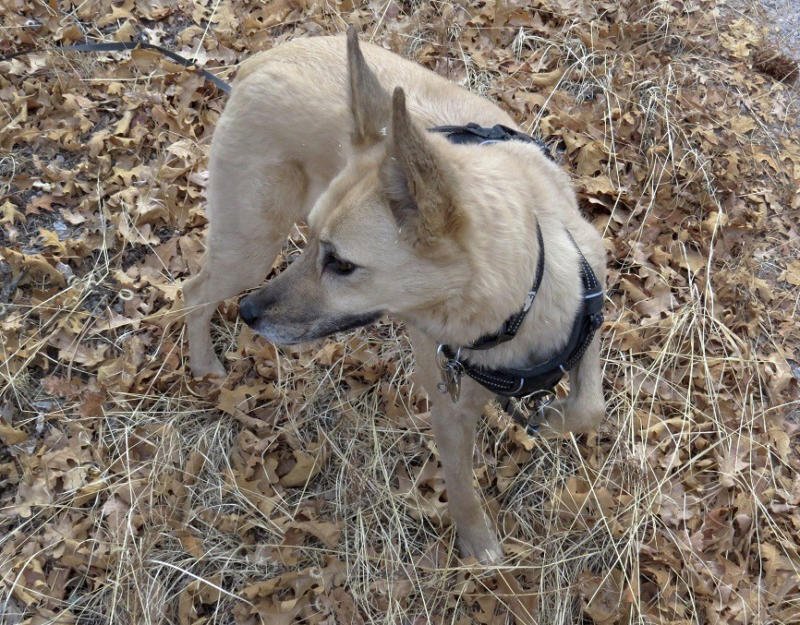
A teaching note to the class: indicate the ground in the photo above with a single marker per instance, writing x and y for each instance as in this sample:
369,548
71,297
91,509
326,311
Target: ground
306,487
783,20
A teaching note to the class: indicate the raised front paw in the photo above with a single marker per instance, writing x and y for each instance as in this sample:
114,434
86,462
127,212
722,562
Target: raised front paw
565,416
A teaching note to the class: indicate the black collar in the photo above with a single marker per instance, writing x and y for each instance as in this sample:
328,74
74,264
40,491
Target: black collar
512,325
542,377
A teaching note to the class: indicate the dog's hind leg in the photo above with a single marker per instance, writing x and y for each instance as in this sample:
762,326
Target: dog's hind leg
584,407
251,208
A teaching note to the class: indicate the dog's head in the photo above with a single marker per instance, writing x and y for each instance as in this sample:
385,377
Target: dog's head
386,236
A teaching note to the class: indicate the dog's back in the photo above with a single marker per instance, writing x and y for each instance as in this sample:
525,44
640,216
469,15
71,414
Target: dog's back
270,83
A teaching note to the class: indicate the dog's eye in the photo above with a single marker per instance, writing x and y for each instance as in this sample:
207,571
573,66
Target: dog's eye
338,266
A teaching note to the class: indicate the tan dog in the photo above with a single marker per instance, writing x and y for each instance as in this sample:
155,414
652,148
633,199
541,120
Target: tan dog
402,221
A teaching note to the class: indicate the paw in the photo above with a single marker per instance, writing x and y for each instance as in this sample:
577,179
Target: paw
563,416
481,544
211,367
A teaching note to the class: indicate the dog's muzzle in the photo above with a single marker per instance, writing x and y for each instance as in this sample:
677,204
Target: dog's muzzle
309,326
249,310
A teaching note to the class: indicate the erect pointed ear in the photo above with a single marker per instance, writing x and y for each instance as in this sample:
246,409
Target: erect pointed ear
415,182
369,102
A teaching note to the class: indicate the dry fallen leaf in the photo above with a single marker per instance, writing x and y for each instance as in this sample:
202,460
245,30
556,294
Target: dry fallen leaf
306,487
12,436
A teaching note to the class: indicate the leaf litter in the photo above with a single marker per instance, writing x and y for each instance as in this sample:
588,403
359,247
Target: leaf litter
306,488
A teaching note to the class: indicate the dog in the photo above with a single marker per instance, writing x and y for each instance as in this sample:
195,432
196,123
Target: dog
446,235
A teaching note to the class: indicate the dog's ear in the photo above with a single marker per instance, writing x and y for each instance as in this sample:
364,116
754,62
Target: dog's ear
415,182
369,102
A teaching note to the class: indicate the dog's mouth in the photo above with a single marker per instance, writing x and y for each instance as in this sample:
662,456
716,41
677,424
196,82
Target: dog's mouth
290,334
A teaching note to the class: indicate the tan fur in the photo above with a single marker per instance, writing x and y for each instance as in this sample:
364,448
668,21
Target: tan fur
443,236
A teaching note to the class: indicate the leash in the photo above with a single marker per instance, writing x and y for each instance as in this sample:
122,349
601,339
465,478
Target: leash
121,46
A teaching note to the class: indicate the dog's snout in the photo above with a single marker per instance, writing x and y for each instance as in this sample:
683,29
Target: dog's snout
248,309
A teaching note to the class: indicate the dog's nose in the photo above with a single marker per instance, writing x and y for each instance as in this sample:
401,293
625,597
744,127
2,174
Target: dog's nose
248,310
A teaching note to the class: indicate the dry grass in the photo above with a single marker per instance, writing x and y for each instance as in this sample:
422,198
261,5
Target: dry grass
308,489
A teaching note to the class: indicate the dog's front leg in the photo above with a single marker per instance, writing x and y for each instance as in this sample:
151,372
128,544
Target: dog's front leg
584,408
454,429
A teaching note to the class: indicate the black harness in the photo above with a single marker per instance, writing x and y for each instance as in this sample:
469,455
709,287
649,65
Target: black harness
472,133
542,377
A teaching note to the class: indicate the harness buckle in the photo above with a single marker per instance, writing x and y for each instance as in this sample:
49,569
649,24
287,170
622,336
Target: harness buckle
529,300
451,370
530,420
537,416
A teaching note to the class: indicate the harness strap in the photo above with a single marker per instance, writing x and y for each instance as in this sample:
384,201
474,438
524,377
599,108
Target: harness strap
543,377
512,325
473,133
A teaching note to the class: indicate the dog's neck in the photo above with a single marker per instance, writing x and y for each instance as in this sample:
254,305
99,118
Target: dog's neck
502,213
